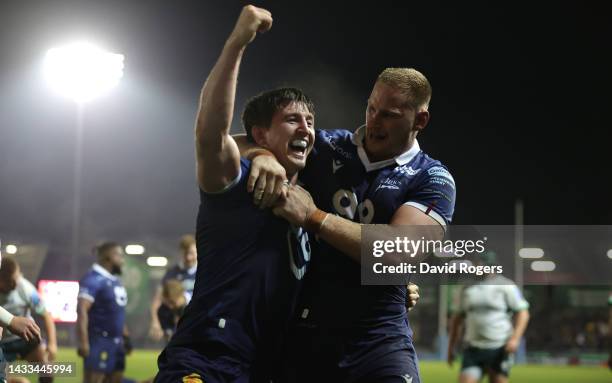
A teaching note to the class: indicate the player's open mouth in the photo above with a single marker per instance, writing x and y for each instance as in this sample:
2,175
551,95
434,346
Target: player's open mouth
377,136
298,147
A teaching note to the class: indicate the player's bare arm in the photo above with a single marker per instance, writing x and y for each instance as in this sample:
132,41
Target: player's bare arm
521,319
83,306
51,335
218,158
155,330
345,235
455,327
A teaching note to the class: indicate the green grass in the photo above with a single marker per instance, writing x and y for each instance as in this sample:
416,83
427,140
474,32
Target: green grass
439,372
142,365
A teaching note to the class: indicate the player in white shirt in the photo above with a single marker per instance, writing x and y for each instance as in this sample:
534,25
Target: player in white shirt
19,298
491,337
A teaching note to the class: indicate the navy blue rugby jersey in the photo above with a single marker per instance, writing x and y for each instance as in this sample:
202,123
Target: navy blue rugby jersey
343,181
250,269
186,276
109,298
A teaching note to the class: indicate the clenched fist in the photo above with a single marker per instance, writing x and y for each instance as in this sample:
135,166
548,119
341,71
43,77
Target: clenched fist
250,21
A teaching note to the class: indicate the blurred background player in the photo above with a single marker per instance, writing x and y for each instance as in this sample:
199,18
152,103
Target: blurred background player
24,327
185,273
101,331
174,299
491,338
20,298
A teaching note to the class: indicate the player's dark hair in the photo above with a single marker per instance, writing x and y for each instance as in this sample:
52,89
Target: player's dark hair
104,247
260,109
8,267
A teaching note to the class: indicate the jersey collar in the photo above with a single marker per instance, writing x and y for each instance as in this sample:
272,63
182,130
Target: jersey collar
190,270
101,270
402,159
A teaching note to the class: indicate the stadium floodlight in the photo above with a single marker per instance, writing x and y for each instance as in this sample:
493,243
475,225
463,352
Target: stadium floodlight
543,266
11,249
82,71
531,253
157,261
610,253
134,249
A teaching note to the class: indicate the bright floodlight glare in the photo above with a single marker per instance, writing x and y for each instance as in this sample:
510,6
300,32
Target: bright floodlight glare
157,261
11,249
543,266
82,71
610,253
134,249
531,253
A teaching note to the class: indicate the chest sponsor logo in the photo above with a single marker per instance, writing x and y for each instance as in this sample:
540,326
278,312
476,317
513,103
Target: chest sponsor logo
390,184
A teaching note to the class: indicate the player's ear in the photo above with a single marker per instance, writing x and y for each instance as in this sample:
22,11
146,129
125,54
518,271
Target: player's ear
259,135
420,120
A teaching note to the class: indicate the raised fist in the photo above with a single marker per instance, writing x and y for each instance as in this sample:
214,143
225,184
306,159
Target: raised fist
250,21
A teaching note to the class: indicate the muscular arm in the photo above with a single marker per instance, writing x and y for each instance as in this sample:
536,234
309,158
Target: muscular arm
218,159
521,318
83,307
155,331
455,327
51,334
345,235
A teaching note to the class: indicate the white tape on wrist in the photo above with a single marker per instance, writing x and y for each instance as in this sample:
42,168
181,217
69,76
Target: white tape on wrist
5,317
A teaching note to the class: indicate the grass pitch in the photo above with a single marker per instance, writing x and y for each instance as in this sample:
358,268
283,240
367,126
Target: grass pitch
142,364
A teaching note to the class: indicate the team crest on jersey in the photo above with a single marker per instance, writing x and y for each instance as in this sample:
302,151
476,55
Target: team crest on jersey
408,170
192,378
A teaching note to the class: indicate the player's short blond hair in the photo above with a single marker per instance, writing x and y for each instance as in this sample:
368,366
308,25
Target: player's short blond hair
186,242
172,289
410,82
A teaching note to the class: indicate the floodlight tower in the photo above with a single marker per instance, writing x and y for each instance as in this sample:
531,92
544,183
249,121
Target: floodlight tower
81,72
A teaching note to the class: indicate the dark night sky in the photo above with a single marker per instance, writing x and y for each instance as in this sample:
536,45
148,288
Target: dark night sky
520,106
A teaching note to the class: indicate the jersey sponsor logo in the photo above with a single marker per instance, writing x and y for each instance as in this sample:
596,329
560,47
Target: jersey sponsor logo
336,164
407,378
389,183
439,173
192,378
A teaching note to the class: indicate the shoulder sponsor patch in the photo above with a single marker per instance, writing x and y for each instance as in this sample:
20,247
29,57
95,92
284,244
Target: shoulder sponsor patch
440,172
